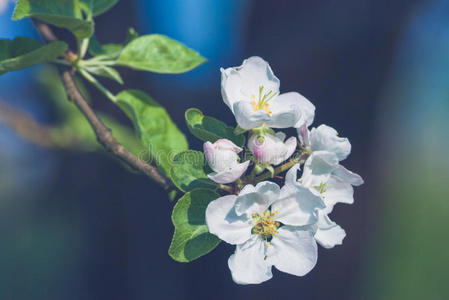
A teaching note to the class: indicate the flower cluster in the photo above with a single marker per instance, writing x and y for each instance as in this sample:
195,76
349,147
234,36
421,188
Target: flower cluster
272,225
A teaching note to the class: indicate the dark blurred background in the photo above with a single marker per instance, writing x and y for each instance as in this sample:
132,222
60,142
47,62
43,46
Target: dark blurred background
77,225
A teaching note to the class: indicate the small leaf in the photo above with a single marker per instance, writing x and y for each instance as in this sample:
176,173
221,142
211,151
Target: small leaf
192,238
110,51
210,129
154,127
188,171
61,13
105,71
160,54
22,53
97,7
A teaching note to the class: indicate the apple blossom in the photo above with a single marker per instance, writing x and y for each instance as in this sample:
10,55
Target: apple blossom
271,149
324,138
222,157
251,91
325,177
270,226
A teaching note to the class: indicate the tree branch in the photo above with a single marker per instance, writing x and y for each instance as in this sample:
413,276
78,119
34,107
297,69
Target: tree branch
26,127
103,133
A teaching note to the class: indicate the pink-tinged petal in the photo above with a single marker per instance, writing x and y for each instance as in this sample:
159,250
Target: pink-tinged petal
348,176
224,223
303,134
225,144
270,149
231,175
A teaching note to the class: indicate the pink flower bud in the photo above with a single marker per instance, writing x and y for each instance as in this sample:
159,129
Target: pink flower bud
271,149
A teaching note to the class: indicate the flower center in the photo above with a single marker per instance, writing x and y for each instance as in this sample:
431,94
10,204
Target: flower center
321,188
265,226
262,103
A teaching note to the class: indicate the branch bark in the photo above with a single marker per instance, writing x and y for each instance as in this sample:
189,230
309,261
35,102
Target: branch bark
103,133
26,127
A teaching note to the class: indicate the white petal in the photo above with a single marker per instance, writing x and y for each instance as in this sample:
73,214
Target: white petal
292,174
329,234
231,175
220,159
290,147
337,191
280,135
297,206
247,117
348,176
239,83
248,264
257,72
285,110
224,223
326,138
231,86
258,200
318,168
293,250
307,112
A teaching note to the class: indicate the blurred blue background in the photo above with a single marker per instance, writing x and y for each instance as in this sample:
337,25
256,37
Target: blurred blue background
77,225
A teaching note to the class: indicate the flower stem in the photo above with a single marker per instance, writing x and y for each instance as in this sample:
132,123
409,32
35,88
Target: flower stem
98,85
225,187
279,169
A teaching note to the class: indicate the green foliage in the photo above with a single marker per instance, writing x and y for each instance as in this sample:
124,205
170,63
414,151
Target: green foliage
110,51
72,126
60,13
160,54
188,171
210,129
154,127
192,238
105,71
22,53
96,7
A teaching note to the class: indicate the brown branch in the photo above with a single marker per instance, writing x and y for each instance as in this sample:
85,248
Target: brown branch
103,133
26,127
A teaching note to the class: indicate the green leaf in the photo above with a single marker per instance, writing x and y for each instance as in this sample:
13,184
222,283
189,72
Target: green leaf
154,127
192,238
22,53
72,130
97,7
105,71
110,51
210,129
188,171
60,13
160,54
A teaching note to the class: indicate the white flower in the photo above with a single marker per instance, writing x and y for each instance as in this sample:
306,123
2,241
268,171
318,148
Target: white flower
271,149
325,177
324,138
223,159
270,227
251,91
